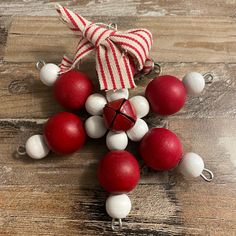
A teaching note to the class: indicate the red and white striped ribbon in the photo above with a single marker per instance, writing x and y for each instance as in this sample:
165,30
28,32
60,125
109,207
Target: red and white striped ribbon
111,48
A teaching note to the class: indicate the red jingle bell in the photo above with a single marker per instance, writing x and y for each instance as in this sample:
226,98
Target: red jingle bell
132,65
161,149
118,172
72,89
119,115
64,133
166,94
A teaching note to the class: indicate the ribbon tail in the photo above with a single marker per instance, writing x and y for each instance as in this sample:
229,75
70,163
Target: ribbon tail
84,48
77,24
65,64
102,75
113,67
73,20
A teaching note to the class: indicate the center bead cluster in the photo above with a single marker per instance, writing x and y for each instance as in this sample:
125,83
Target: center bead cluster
119,118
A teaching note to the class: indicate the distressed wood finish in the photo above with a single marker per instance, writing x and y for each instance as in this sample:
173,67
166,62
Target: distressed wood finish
177,39
20,85
61,195
123,7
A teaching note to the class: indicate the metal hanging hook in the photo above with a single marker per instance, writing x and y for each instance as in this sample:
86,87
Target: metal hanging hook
209,77
113,224
210,173
157,68
39,64
113,26
21,151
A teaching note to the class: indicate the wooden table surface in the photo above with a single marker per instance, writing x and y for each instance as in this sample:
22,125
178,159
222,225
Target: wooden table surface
61,195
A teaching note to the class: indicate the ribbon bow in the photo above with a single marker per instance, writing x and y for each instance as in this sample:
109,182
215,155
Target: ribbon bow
112,49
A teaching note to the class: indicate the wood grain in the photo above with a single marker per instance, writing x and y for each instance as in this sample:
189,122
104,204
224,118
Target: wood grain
181,39
24,32
122,7
214,140
64,190
4,26
24,96
75,211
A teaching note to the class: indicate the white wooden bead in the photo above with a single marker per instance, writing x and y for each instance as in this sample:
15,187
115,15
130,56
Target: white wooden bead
141,105
95,127
116,141
112,95
95,103
49,73
118,206
137,132
194,83
191,165
36,148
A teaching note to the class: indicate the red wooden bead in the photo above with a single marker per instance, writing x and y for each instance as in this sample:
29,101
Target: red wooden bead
161,149
118,172
72,89
166,95
119,115
64,133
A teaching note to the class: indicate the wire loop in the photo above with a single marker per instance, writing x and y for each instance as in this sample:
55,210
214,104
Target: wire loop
209,77
157,68
112,25
210,173
39,64
113,224
21,150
